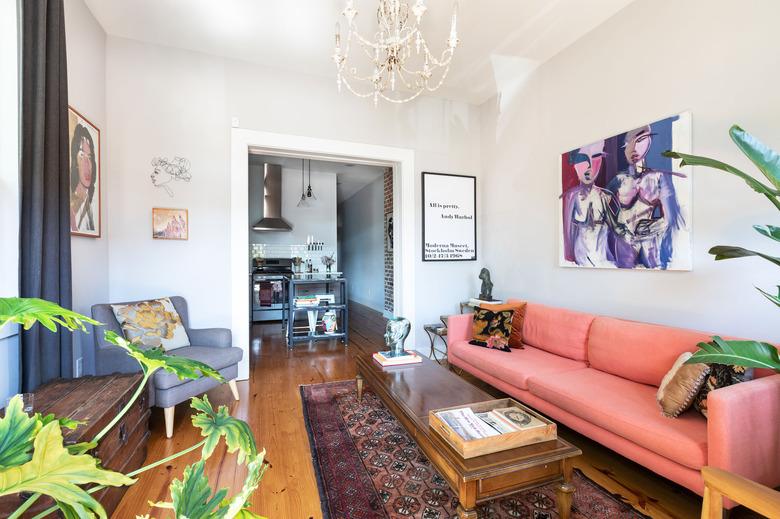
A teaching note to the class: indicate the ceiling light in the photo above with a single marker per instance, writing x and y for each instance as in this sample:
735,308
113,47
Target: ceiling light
397,44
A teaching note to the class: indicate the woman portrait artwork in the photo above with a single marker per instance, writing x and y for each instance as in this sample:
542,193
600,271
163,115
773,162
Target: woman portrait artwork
84,145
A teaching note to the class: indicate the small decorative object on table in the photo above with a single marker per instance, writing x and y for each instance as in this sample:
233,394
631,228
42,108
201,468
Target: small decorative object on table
395,334
297,261
328,261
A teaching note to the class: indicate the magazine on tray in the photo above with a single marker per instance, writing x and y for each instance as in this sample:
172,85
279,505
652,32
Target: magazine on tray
466,423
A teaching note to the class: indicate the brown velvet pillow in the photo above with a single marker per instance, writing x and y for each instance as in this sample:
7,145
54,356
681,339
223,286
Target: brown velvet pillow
680,386
487,323
518,317
720,375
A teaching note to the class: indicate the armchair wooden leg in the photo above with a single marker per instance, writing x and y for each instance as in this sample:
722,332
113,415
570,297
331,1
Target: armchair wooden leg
168,412
233,389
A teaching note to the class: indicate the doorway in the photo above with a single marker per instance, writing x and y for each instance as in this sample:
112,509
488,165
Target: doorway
401,162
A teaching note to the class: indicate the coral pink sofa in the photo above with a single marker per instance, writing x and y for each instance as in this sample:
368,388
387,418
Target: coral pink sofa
599,376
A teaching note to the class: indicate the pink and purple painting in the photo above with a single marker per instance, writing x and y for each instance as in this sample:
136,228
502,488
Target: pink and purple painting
624,205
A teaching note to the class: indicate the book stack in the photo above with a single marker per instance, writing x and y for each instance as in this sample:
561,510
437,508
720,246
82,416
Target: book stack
479,302
305,301
471,426
387,358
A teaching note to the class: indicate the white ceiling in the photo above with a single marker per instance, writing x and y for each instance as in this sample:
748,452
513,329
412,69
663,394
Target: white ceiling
350,178
499,38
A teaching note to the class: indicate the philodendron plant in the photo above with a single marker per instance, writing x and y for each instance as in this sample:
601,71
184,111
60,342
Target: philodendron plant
34,460
744,353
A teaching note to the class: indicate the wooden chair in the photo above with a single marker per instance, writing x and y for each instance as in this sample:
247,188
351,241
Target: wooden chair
719,484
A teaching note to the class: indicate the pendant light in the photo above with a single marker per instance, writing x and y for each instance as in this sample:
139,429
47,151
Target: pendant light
303,202
309,192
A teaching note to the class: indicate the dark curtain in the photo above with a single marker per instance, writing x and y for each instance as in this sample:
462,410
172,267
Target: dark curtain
44,222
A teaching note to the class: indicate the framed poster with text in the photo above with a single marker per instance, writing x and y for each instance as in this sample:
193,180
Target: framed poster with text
449,217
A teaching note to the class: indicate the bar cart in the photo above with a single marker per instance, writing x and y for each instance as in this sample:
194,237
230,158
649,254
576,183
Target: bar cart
314,294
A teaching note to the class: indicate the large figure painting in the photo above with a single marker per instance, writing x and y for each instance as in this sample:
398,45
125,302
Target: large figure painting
625,205
84,174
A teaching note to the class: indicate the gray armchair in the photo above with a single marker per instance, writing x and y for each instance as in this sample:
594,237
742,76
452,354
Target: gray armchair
212,346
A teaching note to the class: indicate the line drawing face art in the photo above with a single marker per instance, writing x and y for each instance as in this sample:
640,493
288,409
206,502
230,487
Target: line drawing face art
623,205
166,171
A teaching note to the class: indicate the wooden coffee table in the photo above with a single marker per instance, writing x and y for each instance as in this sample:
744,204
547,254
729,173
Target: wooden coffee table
409,392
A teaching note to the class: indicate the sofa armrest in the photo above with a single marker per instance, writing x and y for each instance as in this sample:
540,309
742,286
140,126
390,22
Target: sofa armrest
743,429
459,328
211,337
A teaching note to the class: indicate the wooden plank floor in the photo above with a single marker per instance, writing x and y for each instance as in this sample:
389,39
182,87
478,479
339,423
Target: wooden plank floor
270,403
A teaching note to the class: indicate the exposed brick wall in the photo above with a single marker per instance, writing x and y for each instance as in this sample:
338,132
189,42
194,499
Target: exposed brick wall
388,251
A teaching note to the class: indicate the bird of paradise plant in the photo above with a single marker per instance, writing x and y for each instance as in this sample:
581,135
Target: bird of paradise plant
34,460
753,354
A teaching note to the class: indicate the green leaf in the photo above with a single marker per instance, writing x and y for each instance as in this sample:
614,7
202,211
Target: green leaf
152,359
722,252
750,354
760,154
192,497
696,160
28,311
770,231
54,472
215,424
774,299
17,433
237,507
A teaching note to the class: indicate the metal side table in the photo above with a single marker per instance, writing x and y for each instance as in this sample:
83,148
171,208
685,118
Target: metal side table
437,330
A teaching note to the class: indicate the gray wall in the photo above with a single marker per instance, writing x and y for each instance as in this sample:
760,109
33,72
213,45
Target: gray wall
362,245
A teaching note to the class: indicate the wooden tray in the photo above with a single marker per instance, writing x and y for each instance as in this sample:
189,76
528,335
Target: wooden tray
511,440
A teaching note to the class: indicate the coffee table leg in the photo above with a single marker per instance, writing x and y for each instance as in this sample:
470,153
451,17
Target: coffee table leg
359,380
467,500
565,491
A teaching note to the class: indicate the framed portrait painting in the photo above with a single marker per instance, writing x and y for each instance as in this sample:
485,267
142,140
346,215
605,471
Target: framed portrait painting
624,205
84,174
170,224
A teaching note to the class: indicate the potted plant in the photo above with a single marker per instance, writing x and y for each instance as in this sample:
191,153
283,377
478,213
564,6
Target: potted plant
753,354
34,460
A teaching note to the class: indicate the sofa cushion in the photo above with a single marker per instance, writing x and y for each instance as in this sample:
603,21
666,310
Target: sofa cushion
557,330
627,409
217,358
514,367
641,352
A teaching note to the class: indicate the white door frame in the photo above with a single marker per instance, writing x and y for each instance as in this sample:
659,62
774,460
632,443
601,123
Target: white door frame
402,161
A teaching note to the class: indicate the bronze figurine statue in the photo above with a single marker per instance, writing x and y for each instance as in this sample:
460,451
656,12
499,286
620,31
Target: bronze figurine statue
486,292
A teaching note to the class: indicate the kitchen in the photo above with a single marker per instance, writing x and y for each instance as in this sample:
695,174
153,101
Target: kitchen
297,283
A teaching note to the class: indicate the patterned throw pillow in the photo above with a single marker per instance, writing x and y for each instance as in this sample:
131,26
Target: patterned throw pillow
518,317
152,323
721,375
681,385
489,324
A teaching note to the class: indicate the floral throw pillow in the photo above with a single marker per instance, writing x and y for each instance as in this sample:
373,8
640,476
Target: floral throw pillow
721,375
492,329
152,323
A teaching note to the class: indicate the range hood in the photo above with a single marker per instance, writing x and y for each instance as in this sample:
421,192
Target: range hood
272,201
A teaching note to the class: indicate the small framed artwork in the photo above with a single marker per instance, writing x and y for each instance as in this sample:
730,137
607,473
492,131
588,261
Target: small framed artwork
449,227
84,175
170,224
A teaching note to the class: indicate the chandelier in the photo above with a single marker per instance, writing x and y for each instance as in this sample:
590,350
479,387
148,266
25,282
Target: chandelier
397,43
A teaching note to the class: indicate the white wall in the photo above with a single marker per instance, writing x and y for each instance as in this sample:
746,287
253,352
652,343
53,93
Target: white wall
318,219
164,101
717,58
9,192
362,245
86,48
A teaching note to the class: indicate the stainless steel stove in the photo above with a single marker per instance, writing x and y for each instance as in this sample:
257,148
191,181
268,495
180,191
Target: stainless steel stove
269,289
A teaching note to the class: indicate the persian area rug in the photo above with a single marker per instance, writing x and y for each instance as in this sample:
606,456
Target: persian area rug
367,466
